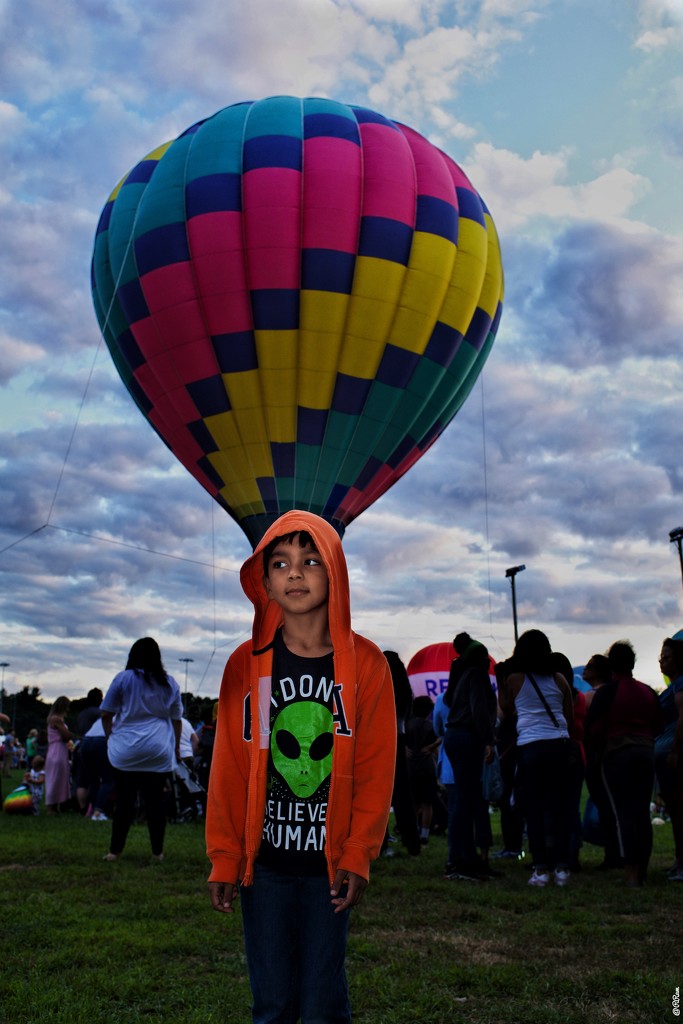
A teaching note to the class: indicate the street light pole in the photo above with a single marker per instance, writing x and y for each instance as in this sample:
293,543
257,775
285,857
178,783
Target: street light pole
676,537
3,666
188,661
510,574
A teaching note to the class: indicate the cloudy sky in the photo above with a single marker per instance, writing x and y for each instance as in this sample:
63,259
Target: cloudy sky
567,116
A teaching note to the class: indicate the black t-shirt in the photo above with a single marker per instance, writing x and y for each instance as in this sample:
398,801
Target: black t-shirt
299,762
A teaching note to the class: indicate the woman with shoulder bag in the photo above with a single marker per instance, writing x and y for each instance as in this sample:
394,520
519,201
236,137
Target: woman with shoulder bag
542,701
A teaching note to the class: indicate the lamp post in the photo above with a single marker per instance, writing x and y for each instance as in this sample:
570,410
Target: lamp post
187,661
676,537
510,574
3,666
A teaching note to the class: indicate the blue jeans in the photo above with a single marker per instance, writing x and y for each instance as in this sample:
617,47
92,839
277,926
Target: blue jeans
296,949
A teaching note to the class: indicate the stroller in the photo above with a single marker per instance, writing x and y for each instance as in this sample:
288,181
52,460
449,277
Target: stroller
186,795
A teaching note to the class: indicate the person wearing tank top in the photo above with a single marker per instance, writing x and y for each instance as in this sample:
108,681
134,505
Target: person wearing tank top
533,721
541,700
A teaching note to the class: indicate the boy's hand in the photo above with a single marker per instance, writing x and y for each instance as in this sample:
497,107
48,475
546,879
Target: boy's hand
223,895
356,887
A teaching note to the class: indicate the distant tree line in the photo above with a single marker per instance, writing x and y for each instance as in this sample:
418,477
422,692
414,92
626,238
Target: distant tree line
28,710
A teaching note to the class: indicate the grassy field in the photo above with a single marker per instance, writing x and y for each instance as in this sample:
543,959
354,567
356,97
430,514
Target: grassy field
89,941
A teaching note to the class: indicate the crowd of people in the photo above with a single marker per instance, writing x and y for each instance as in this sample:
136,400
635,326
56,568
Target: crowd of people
14,753
118,760
310,740
621,739
548,739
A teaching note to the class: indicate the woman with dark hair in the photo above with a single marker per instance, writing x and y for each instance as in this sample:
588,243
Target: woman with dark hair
401,800
577,756
542,700
141,715
596,673
669,746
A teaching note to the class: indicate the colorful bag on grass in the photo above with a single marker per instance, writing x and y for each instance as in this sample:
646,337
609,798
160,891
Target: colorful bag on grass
19,801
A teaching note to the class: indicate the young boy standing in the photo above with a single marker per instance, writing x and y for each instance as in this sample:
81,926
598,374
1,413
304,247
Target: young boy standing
302,773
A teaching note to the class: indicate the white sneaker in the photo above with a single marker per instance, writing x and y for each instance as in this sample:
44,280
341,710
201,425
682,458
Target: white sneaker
98,816
539,879
561,876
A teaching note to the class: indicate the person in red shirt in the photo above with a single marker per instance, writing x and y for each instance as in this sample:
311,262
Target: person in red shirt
621,726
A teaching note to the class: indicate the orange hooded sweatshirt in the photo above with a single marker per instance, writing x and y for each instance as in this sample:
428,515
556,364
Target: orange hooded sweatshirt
364,751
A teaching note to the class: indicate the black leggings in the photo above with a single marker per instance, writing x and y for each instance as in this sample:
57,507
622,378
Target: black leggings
151,786
628,777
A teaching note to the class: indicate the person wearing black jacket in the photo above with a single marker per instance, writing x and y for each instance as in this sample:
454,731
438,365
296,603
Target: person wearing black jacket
469,741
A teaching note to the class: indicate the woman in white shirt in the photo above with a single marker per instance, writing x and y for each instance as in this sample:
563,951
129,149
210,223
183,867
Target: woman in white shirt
542,701
141,715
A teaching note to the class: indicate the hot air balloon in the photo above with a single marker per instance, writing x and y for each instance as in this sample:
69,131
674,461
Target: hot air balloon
299,296
428,670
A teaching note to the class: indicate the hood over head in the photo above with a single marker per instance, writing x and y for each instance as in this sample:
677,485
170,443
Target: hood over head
474,653
267,613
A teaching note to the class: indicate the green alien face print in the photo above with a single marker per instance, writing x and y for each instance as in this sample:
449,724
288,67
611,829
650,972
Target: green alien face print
301,746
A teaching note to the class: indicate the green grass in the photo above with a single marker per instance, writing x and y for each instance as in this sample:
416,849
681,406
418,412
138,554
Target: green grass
90,941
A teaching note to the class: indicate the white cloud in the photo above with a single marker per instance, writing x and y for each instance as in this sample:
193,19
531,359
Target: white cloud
661,24
582,478
522,11
519,190
44,272
16,355
449,126
412,14
430,68
596,295
248,52
11,119
36,37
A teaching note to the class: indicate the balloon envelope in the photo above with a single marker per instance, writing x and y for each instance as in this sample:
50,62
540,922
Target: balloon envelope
428,670
299,296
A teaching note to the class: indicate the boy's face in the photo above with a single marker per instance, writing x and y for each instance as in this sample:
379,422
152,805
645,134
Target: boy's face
297,579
